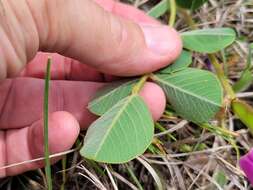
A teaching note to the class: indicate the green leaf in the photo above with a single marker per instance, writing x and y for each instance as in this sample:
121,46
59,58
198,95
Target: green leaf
244,82
109,95
191,4
221,178
208,40
195,94
184,3
197,4
121,134
246,77
159,9
184,60
244,111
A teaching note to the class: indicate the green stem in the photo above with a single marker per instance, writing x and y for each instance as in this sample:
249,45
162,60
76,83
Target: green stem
137,88
188,18
134,178
173,12
221,75
46,146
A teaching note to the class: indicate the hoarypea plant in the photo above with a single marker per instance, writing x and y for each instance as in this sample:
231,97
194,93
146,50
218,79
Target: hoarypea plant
125,128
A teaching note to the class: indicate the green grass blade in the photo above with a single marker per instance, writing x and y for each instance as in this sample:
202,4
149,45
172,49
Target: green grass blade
46,146
133,176
64,175
246,77
152,172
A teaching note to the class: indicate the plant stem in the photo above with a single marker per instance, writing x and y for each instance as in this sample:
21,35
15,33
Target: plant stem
137,88
221,75
173,12
188,18
46,146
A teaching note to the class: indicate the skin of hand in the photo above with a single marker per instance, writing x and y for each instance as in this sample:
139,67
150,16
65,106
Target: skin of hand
103,35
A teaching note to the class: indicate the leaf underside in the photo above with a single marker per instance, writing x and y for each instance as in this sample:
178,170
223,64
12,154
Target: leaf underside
208,40
184,60
195,94
109,95
121,134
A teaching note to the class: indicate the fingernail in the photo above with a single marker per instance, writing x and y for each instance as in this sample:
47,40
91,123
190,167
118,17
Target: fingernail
160,39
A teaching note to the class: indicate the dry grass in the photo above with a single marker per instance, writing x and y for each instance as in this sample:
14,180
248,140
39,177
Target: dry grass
198,159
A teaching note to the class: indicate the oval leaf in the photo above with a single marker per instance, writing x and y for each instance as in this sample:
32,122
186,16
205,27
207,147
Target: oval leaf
121,134
184,60
208,40
195,94
109,95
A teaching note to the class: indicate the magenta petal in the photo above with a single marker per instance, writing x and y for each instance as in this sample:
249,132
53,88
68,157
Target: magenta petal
246,164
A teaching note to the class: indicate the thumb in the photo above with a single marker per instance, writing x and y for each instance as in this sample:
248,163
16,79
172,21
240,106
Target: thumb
84,31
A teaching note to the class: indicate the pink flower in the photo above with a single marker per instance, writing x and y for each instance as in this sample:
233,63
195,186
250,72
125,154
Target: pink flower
246,164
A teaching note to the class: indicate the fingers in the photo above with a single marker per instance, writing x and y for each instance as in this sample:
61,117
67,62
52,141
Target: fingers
62,68
86,32
22,99
154,96
27,143
112,44
19,145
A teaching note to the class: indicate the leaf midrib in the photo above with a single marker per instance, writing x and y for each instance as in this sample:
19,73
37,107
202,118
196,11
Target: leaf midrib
113,122
187,92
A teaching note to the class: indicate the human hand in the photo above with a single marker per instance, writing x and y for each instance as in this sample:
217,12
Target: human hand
125,43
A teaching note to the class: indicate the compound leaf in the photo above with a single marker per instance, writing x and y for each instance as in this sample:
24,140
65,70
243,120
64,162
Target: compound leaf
208,40
184,60
121,134
109,95
195,94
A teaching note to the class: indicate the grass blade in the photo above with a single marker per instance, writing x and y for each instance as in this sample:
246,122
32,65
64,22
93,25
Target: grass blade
152,172
46,147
